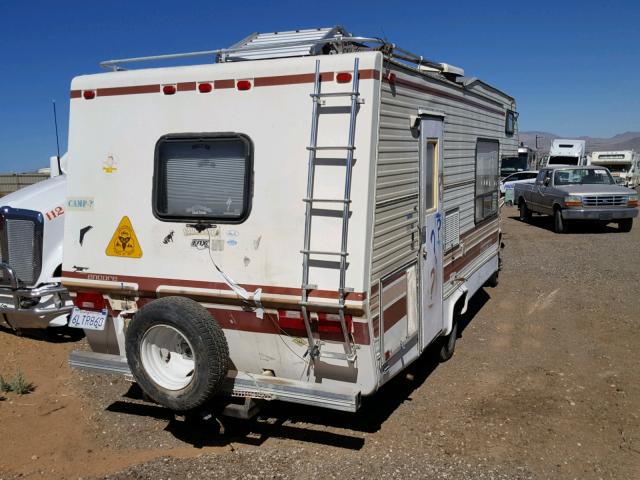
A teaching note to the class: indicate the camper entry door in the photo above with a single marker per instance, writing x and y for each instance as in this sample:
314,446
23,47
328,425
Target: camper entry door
430,260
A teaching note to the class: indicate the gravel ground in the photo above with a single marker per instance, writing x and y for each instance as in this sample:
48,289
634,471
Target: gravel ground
544,384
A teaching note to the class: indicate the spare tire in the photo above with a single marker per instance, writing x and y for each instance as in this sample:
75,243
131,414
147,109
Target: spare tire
177,352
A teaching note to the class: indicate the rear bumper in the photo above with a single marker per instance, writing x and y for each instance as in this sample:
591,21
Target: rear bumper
32,307
604,214
240,384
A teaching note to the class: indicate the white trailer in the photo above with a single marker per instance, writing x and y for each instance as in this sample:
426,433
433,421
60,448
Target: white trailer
298,221
624,165
565,151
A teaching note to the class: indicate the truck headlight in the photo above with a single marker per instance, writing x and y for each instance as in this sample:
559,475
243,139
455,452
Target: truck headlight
573,201
632,201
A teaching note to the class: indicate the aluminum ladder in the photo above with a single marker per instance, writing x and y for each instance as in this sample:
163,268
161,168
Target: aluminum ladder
318,99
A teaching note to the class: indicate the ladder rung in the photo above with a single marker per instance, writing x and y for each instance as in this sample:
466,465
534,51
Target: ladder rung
335,94
322,252
326,200
332,148
338,356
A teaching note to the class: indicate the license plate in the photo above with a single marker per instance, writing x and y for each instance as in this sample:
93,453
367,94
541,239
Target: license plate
88,319
606,216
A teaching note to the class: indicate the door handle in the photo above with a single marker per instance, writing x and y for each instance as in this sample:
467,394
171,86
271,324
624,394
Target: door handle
425,251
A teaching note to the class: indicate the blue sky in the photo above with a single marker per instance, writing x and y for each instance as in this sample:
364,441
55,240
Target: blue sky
573,67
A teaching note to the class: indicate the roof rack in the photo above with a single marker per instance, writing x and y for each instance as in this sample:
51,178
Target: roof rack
289,44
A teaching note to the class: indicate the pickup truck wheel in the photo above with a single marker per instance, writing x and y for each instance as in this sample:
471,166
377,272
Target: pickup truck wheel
625,224
559,224
447,344
177,353
525,213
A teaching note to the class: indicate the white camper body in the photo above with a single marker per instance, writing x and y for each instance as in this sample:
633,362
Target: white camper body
624,165
567,152
420,189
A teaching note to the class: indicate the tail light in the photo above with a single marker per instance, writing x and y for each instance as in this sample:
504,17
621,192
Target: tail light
205,87
89,301
243,84
169,89
343,77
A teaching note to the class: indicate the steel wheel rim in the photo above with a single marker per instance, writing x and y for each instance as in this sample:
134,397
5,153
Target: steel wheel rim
167,357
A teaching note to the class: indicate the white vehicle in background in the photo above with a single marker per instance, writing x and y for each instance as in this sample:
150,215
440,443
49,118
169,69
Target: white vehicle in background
567,152
31,231
624,166
520,177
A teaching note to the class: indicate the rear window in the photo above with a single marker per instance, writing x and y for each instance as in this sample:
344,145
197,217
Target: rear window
203,178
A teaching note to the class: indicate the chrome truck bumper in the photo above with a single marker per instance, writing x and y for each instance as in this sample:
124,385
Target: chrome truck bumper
604,214
23,307
240,384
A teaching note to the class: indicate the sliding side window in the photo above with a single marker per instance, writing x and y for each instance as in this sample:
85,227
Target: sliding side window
487,175
203,178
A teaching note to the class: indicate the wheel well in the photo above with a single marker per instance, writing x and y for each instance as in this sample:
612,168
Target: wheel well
58,271
556,207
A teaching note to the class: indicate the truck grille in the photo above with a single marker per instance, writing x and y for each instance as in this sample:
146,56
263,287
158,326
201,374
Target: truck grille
604,200
21,244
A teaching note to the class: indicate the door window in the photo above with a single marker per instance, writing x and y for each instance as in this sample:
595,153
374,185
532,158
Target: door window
431,176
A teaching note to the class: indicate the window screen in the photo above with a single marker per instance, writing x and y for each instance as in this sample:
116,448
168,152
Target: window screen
487,165
203,178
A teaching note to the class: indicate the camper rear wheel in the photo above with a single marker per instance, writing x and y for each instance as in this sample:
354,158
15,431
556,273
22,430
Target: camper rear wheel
177,353
447,344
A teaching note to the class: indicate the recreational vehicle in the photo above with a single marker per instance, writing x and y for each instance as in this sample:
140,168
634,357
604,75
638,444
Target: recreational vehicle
624,166
567,152
298,221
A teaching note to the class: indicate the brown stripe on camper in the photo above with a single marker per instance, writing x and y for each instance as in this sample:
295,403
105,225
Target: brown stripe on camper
441,93
291,79
186,86
246,321
151,284
365,74
394,313
229,83
469,256
134,90
394,298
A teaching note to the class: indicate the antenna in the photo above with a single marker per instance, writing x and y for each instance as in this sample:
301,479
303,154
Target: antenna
55,121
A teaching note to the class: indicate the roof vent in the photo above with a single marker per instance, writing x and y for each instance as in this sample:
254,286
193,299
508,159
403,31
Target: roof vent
451,72
294,43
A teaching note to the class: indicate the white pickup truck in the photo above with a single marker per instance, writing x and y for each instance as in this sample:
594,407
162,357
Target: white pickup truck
31,232
572,193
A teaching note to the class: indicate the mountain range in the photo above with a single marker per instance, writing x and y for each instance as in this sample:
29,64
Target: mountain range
622,141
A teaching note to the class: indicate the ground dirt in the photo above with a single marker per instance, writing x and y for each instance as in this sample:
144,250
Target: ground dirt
544,384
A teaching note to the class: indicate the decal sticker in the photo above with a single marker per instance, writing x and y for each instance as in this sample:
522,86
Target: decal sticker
168,238
80,203
200,243
110,165
99,276
124,242
232,243
55,213
232,233
79,269
83,232
217,244
256,242
199,229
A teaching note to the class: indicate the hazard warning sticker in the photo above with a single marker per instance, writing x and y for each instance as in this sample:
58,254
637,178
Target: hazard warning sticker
124,242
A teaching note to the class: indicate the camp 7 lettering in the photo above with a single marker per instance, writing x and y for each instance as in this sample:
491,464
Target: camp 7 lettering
55,213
